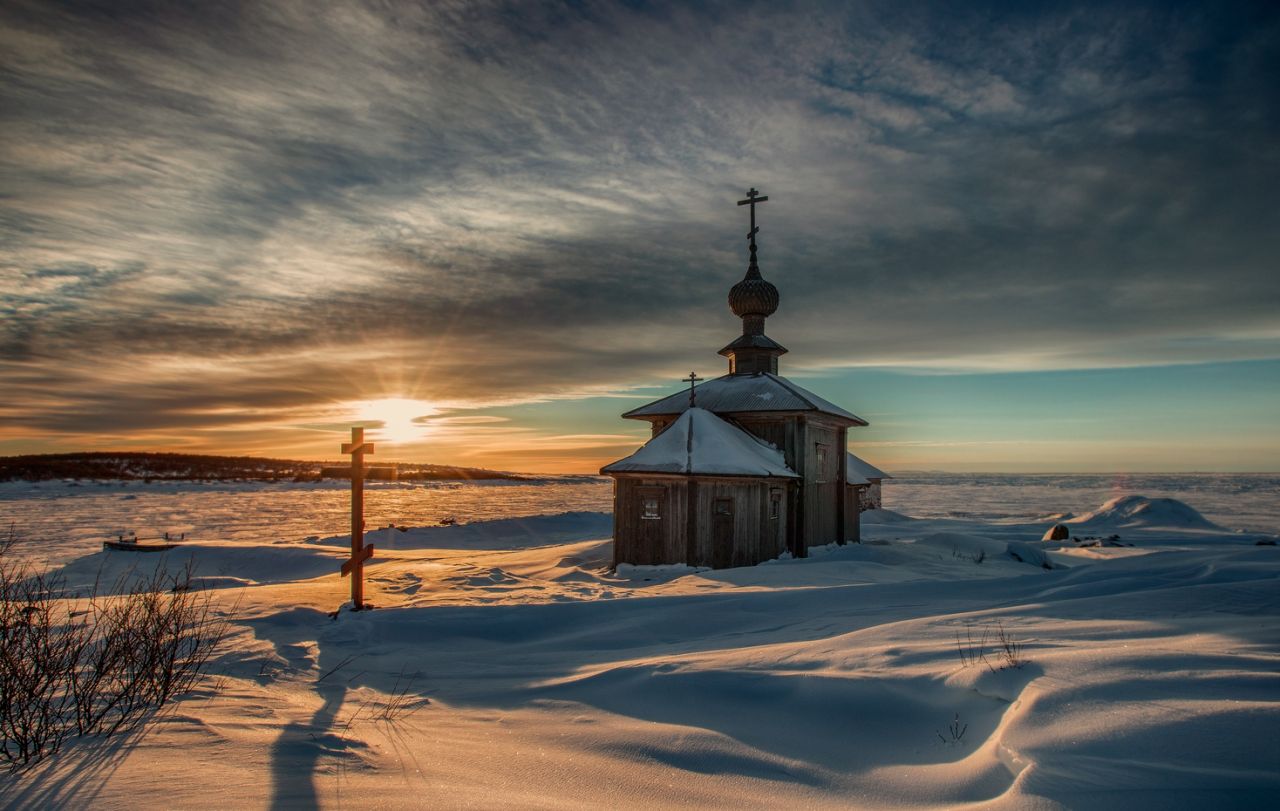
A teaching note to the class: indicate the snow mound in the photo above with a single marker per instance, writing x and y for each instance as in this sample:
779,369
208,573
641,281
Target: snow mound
961,543
884,517
979,548
632,571
1141,511
1026,553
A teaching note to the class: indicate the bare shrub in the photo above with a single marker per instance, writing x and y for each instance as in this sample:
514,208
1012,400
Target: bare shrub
978,557
1007,651
972,651
97,664
401,703
39,647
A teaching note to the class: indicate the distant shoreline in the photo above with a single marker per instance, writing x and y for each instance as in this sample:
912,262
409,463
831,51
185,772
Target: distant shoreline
149,466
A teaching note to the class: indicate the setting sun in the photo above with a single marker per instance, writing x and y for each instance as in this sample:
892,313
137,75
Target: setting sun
402,419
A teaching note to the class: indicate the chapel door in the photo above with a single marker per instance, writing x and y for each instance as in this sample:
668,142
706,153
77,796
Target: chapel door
777,531
651,534
722,533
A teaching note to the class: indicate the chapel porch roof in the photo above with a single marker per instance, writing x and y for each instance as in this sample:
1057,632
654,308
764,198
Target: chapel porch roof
700,443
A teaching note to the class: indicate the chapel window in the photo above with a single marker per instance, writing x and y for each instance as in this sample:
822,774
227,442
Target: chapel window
649,510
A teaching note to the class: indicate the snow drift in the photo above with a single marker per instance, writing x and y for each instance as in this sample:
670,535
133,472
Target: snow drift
979,548
883,516
503,533
1141,511
507,667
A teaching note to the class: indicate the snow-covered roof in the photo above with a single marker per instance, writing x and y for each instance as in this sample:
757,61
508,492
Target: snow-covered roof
739,393
701,443
855,468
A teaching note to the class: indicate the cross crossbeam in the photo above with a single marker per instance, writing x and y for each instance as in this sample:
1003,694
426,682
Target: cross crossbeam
349,565
753,197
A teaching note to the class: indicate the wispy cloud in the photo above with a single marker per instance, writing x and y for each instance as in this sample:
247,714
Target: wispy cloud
224,215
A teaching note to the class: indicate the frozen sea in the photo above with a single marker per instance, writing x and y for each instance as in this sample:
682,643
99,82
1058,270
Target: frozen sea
63,520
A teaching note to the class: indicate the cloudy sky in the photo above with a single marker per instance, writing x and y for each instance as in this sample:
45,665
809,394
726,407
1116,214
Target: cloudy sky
1013,237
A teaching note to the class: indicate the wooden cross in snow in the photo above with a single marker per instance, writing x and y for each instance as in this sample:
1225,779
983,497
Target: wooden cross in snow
753,197
357,447
692,380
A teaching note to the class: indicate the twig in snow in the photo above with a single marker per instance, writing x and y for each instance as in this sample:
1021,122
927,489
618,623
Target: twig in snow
956,731
336,668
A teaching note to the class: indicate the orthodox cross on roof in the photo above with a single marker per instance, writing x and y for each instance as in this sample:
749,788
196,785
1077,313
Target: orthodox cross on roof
693,380
753,197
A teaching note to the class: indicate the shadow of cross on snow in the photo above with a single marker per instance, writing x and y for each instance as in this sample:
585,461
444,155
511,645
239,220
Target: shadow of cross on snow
298,753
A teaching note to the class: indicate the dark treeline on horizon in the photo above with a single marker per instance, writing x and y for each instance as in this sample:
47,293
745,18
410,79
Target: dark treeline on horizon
146,466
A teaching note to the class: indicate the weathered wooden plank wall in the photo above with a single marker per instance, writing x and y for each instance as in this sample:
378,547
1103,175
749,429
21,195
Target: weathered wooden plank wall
680,535
787,432
842,437
643,541
821,483
852,513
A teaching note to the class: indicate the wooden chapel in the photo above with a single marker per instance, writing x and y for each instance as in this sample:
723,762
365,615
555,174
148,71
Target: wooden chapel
741,468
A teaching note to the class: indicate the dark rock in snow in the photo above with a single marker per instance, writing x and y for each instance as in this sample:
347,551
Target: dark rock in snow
1058,532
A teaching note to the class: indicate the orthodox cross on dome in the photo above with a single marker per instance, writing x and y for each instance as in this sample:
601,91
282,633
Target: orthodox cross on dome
693,380
753,300
753,197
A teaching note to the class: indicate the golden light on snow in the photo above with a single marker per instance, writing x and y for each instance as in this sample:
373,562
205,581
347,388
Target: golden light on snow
402,419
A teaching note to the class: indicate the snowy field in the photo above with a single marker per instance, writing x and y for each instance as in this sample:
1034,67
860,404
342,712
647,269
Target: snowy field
506,666
66,519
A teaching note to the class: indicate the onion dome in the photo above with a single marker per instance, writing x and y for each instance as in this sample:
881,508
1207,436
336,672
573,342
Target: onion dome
753,295
753,300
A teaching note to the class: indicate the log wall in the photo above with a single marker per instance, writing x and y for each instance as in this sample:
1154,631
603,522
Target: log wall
853,513
684,536
785,432
823,488
645,541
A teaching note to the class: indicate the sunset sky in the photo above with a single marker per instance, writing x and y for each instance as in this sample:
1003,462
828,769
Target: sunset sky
1013,237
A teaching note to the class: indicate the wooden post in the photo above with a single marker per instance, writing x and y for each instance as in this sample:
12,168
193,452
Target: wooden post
357,447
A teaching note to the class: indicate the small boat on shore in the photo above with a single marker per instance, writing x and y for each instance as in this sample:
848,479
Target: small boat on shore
133,544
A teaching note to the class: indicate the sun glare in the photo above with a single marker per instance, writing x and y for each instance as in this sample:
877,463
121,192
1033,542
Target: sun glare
403,419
